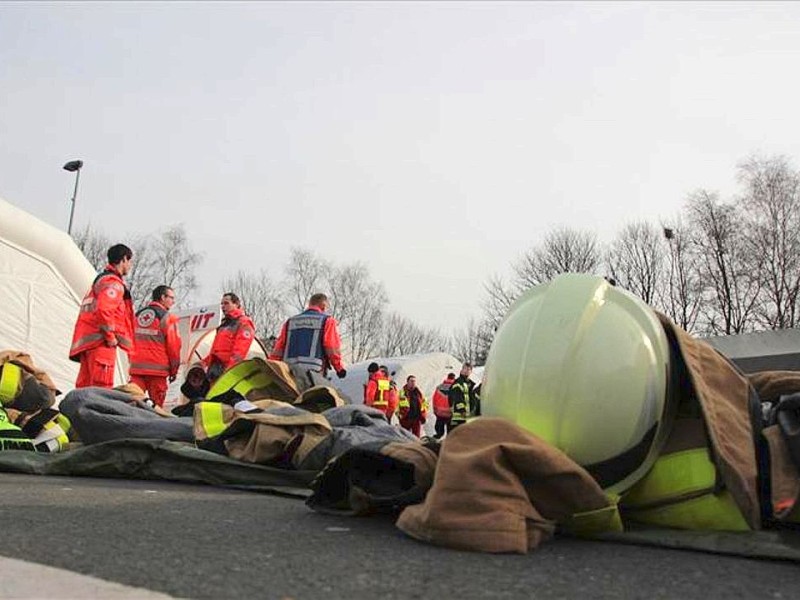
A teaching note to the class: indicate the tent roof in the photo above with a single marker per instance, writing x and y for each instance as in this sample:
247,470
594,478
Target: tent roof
43,276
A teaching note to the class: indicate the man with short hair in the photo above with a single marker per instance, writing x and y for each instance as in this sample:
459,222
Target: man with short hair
441,406
105,322
157,354
462,396
310,343
233,339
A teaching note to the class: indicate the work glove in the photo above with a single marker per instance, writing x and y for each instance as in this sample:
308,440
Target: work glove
341,373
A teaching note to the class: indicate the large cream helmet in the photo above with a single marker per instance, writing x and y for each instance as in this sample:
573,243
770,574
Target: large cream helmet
584,365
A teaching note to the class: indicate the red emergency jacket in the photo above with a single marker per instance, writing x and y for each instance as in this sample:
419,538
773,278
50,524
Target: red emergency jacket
106,314
158,343
234,336
381,393
441,404
331,351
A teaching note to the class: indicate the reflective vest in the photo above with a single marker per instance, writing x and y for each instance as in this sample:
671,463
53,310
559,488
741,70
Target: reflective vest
381,399
304,340
106,311
461,403
158,345
683,490
416,408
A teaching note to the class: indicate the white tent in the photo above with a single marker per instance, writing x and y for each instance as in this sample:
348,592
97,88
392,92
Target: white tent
429,369
43,277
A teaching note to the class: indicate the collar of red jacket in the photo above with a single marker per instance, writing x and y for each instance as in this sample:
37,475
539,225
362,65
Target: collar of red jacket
234,314
316,308
113,269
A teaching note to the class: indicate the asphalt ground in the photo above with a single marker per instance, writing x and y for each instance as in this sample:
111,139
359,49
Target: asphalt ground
204,542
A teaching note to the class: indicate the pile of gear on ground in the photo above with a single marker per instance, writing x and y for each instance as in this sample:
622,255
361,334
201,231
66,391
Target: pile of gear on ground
600,418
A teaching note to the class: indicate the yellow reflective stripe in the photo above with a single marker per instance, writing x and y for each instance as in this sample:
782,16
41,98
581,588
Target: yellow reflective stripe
675,474
211,418
711,512
65,423
680,492
9,382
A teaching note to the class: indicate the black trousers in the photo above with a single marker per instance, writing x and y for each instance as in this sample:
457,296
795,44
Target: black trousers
441,426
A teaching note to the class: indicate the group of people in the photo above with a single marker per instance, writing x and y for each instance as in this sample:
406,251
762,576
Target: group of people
308,342
454,400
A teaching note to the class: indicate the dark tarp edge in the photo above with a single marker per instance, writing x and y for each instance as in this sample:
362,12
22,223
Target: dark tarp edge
772,545
158,460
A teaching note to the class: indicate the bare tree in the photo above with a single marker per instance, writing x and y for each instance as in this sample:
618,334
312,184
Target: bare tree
731,273
94,245
635,260
499,298
358,303
472,343
401,337
174,262
262,300
306,274
772,207
564,250
165,258
681,297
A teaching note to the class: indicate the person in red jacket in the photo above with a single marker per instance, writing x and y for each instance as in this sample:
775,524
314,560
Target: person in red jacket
105,322
310,344
441,406
233,339
413,407
157,355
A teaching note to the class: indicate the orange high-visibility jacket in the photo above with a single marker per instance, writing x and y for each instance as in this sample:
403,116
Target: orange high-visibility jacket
106,314
158,343
234,336
441,404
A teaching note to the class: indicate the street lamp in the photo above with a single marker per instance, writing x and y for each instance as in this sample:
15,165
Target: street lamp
73,165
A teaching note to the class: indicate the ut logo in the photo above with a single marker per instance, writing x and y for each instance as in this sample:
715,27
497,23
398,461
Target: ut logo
200,321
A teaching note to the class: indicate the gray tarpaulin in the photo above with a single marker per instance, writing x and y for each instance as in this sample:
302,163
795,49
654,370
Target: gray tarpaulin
158,459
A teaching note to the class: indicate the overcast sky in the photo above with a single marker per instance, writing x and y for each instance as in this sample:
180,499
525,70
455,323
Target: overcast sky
436,142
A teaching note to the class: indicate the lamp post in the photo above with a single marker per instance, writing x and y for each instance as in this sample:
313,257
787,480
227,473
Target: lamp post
73,165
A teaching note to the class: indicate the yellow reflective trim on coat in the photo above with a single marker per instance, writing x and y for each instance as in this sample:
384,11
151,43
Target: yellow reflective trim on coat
211,418
681,491
65,423
10,378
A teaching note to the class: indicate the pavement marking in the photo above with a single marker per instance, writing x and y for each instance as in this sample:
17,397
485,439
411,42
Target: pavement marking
22,579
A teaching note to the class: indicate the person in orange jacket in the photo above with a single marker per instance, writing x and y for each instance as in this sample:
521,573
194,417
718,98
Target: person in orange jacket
234,336
157,355
309,343
380,393
105,322
441,406
413,407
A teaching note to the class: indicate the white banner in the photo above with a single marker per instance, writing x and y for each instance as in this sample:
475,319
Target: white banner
193,323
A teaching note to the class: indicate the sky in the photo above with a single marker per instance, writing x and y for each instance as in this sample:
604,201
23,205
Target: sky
434,142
